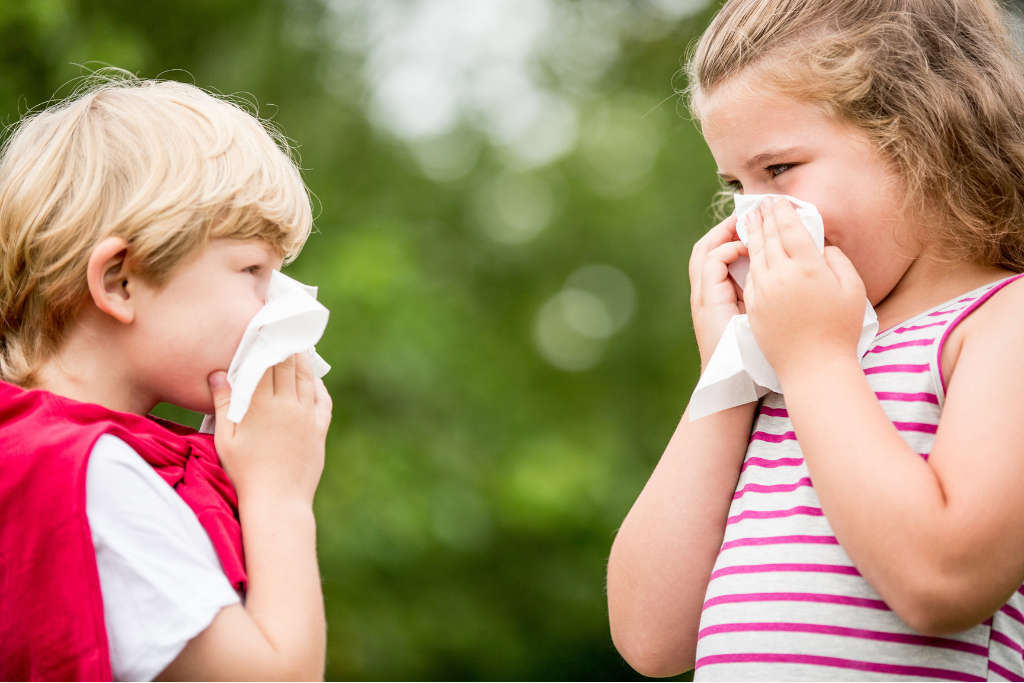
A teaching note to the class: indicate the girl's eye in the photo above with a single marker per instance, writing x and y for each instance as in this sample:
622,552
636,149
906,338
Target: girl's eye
775,169
734,185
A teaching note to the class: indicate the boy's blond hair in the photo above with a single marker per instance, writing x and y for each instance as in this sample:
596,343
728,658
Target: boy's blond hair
935,85
164,165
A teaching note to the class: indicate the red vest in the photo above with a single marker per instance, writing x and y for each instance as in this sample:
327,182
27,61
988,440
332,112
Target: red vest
51,609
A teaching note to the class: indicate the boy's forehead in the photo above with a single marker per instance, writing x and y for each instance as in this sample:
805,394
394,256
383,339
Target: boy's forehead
245,248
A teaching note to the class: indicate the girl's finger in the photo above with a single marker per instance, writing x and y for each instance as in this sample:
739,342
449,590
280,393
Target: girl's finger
842,267
727,253
716,266
304,378
722,233
284,378
795,238
755,242
777,254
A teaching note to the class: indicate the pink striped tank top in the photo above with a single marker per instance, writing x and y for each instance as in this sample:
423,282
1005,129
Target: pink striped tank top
785,602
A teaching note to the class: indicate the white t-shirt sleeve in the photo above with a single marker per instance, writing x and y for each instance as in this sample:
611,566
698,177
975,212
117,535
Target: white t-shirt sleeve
161,580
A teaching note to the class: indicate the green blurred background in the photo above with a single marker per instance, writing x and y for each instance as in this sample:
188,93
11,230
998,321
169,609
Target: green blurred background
507,192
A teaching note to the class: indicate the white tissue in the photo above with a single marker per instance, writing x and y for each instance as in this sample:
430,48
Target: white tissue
291,321
738,372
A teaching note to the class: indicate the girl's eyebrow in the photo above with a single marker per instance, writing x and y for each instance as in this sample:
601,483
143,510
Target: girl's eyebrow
763,158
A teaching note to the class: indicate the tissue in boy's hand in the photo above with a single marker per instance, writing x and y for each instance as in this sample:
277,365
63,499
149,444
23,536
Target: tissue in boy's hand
738,372
292,321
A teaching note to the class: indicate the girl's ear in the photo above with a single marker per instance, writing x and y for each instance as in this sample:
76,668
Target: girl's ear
109,280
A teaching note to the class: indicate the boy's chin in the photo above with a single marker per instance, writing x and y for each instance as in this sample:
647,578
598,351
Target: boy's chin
196,404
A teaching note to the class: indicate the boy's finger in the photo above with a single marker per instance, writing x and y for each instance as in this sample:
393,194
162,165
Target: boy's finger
265,389
322,404
221,392
755,242
304,378
772,242
795,238
284,377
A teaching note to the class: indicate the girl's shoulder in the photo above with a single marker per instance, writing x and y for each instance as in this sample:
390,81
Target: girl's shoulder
991,329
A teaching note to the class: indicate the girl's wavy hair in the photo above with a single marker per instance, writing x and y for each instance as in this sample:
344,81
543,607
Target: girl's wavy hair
935,85
165,165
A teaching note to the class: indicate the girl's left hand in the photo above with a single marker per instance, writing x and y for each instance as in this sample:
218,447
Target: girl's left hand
804,308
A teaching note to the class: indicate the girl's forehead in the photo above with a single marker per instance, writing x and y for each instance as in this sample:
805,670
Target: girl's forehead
744,122
742,110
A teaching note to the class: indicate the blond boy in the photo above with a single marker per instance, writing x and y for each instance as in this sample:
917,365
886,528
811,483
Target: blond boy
140,222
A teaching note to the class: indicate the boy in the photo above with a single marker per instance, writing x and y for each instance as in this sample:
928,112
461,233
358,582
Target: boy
139,224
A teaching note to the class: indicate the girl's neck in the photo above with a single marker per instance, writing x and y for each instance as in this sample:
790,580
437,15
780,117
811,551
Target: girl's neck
928,284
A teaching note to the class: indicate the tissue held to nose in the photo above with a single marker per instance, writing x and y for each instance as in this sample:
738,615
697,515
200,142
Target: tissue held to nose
291,321
745,203
738,372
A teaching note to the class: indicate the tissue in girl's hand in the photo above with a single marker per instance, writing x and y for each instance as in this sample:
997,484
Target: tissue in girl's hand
745,203
292,321
738,372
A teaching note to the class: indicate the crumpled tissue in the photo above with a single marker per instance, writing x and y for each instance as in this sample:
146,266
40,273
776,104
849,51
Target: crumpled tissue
738,372
291,321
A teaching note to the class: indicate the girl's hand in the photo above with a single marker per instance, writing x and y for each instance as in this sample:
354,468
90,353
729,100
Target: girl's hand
804,308
714,297
278,447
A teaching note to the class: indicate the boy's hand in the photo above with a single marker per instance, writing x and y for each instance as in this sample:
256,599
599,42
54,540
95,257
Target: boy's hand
278,447
714,297
804,307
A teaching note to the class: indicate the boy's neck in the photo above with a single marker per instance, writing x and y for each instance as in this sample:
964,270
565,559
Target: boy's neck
92,369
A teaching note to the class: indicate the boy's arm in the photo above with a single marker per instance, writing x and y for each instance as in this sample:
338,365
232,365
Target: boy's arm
280,633
274,457
662,558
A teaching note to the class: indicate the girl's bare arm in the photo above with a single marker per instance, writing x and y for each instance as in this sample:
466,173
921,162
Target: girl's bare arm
663,555
939,540
274,457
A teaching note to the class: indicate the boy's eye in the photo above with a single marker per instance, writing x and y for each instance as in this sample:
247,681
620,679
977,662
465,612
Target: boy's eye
251,269
775,169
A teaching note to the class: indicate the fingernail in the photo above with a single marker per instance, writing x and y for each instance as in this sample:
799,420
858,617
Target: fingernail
218,379
777,200
767,201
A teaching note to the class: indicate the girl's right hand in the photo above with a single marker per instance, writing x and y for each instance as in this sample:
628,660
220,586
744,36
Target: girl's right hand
278,447
714,297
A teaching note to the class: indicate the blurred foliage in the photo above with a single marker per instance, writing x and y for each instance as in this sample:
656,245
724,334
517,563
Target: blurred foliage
472,488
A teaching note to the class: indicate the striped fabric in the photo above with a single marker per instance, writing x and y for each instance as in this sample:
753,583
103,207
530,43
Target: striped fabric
785,602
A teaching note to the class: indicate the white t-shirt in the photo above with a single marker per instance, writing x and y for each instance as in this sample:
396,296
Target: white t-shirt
161,580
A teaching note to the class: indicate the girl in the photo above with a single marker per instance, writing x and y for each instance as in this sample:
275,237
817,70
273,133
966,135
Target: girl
866,523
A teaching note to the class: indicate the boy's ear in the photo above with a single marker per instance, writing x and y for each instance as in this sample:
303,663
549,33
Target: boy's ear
109,279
